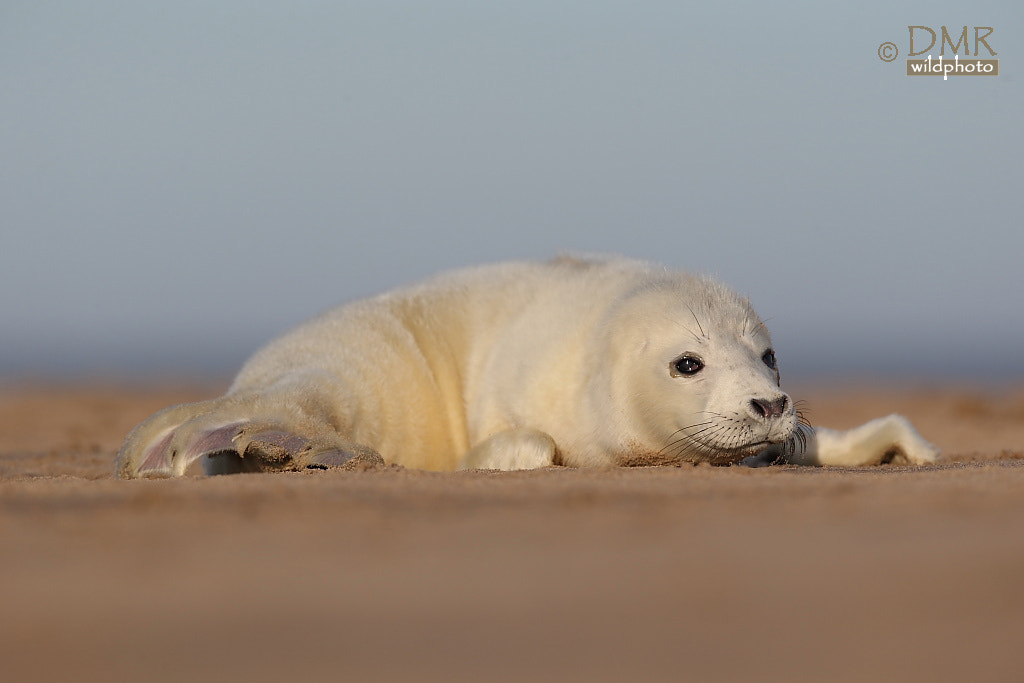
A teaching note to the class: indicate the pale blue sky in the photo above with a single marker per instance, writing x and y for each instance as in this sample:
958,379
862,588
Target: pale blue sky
181,181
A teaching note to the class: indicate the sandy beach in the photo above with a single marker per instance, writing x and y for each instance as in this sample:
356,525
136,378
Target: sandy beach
646,574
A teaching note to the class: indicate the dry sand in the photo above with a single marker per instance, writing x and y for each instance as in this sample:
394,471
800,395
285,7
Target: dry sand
648,574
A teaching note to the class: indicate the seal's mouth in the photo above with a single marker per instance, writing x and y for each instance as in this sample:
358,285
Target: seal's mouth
711,456
724,443
731,456
734,454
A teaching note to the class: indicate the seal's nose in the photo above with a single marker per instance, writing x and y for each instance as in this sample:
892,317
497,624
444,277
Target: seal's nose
766,409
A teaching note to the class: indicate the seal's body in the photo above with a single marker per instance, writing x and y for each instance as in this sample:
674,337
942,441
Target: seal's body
513,366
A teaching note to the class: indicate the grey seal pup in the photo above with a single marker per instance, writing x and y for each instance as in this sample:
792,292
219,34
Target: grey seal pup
581,363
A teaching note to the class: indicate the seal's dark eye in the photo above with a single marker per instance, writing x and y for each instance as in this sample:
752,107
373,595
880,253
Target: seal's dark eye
686,365
769,359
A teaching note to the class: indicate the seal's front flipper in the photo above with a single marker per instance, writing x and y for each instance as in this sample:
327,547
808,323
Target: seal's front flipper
513,449
883,440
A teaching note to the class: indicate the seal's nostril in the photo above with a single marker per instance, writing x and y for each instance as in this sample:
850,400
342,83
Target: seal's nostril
757,407
767,408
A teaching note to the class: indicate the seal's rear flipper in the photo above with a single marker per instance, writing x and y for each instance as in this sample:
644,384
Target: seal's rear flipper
227,438
149,450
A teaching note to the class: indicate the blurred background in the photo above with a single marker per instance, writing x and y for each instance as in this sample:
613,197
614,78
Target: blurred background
179,182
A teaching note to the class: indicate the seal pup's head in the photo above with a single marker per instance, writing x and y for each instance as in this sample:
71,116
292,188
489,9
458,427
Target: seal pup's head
698,375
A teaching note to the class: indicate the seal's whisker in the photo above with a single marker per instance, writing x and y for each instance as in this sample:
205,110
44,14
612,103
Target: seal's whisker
691,332
685,435
720,434
760,325
699,326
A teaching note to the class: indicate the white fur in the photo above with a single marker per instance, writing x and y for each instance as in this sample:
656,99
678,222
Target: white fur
515,366
889,436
